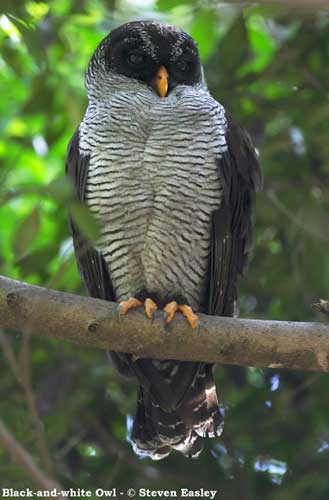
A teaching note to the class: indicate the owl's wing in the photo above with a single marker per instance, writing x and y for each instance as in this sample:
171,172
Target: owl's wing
240,176
91,263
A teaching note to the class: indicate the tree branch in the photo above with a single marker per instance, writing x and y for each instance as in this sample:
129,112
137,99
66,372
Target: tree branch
95,323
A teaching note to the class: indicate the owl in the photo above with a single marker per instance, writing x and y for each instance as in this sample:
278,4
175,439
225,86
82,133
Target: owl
170,178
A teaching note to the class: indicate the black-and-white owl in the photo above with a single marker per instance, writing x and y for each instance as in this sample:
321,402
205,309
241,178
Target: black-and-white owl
171,180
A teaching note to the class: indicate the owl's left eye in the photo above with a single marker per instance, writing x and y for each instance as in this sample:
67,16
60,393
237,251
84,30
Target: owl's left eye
135,59
183,65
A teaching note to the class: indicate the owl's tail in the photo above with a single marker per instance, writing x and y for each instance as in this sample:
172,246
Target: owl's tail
177,410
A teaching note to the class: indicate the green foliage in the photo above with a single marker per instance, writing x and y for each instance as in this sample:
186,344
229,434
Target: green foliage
269,67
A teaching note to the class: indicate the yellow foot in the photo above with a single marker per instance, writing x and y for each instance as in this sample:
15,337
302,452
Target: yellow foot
125,305
171,308
132,303
169,311
191,317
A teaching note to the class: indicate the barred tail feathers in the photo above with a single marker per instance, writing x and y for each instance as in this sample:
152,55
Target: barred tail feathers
158,430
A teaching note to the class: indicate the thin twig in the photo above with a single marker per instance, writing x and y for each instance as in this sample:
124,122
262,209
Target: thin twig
24,459
293,218
25,371
306,5
21,371
9,355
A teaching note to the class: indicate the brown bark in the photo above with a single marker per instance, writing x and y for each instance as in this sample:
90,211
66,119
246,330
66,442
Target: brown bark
95,323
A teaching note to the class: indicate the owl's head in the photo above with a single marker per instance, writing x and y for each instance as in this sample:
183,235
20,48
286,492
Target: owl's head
159,55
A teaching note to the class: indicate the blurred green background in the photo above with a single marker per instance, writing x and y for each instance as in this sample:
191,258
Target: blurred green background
269,66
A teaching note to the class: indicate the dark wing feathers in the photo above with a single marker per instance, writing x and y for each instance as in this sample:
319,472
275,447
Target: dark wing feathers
240,176
91,263
77,166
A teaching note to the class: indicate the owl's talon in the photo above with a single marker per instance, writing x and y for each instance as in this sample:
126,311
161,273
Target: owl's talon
172,307
150,308
169,311
190,316
125,305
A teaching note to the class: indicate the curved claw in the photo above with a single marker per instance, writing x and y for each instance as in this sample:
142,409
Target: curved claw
169,311
150,309
190,316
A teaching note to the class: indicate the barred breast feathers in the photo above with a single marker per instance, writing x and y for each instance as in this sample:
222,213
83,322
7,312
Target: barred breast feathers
153,183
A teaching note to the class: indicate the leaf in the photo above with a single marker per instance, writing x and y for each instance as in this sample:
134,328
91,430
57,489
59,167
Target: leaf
32,39
85,220
12,58
228,56
60,189
10,7
59,278
166,5
36,261
26,233
205,31
262,43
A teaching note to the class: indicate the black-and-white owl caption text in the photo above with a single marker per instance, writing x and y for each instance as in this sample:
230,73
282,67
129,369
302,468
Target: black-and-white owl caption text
78,493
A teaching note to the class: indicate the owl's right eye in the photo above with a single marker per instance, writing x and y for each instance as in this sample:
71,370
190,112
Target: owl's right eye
135,59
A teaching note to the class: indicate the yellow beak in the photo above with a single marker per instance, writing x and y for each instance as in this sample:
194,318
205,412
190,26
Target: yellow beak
160,82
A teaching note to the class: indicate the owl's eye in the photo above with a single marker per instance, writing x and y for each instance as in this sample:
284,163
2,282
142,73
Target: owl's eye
135,59
183,65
